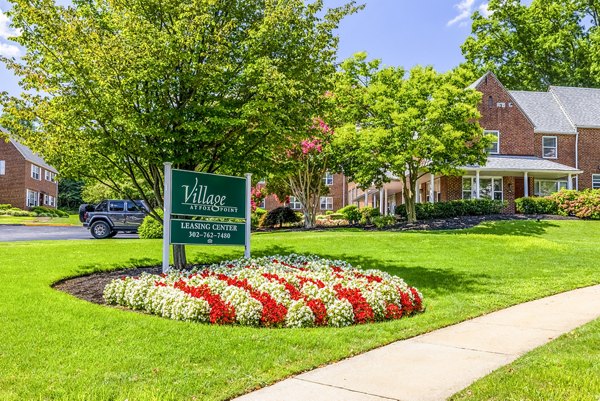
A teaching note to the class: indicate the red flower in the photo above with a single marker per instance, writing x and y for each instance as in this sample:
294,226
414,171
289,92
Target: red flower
363,313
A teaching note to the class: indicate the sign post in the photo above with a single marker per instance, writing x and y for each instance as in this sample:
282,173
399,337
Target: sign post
248,215
166,218
189,193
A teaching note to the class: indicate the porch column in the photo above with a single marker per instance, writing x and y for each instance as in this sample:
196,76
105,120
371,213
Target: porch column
432,188
381,209
366,198
570,182
526,184
385,200
477,186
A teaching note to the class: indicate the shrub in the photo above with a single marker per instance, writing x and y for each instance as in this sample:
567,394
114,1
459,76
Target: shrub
256,216
337,216
18,213
536,206
48,212
383,221
5,206
151,228
368,213
584,204
350,213
328,212
279,216
455,208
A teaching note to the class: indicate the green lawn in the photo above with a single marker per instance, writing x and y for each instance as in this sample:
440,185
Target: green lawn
72,220
55,346
567,369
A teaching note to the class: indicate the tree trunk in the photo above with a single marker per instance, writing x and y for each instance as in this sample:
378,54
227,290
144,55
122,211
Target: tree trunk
410,199
179,257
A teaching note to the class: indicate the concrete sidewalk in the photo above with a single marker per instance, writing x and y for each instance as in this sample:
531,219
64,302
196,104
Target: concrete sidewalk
436,365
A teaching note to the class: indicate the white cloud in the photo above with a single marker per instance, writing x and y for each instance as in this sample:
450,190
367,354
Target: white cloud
7,50
484,10
465,9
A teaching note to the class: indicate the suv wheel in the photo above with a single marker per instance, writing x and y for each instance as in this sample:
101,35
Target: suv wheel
100,230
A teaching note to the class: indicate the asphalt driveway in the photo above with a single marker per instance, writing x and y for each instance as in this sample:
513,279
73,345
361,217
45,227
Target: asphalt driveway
38,233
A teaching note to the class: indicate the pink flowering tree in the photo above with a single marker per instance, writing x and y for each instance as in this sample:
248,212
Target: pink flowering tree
305,165
257,195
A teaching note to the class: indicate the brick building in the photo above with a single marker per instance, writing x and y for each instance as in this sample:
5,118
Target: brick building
545,141
334,200
26,180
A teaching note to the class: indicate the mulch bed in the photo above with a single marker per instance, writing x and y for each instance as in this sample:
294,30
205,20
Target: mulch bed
91,287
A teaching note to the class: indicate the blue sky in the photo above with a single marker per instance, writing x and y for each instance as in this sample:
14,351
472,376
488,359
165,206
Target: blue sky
400,32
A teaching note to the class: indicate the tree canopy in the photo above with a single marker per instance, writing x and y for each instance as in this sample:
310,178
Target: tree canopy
405,126
529,47
117,87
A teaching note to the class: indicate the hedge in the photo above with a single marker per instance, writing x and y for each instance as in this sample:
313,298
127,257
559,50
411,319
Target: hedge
455,208
151,228
536,206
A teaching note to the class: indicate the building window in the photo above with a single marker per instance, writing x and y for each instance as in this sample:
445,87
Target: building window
49,200
263,203
2,167
490,102
547,187
33,198
36,172
326,203
550,147
596,181
328,179
489,188
49,176
494,148
294,203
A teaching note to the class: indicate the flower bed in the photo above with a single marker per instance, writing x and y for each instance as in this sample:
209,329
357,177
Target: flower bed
290,291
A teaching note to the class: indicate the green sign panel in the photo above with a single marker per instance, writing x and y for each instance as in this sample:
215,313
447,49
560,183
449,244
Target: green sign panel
202,194
201,232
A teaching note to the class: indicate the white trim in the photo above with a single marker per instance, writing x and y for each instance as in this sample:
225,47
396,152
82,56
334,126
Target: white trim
596,177
488,131
328,179
556,182
520,170
292,203
555,147
36,198
326,201
38,170
2,167
476,186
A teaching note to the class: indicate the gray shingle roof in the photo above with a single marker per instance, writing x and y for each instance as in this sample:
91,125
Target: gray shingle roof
523,163
582,105
32,157
544,112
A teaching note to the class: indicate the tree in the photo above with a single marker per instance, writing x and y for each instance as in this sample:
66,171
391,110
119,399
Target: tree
303,170
118,87
405,126
69,194
550,42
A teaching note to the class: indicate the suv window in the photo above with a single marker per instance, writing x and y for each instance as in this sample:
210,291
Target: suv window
117,206
101,207
133,207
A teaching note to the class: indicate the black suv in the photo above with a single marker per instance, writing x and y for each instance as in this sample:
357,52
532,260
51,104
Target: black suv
112,216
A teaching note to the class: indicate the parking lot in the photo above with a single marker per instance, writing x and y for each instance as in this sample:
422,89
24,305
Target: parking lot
39,233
